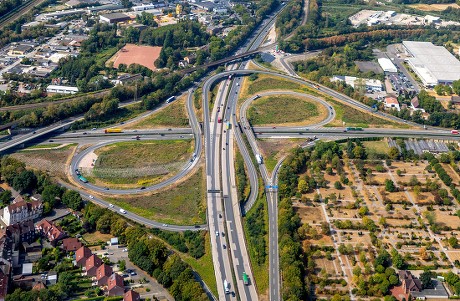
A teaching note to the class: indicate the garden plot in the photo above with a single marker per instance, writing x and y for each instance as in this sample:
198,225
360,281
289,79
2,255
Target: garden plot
445,219
309,214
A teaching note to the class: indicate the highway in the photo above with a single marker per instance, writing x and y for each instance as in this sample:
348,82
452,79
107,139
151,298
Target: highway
221,185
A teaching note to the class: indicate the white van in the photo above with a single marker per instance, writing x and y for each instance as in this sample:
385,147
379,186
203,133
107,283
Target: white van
123,211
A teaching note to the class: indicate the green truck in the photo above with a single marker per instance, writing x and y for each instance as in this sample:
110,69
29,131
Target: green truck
245,278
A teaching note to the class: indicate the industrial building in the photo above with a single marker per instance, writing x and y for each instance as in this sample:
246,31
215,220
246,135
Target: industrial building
432,64
114,18
61,89
387,65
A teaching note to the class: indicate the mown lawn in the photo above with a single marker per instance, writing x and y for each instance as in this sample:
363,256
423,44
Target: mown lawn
140,161
376,147
183,205
174,115
279,109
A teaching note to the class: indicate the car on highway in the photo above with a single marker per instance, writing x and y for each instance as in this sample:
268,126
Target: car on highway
123,211
51,140
111,205
91,197
217,233
224,246
220,215
164,225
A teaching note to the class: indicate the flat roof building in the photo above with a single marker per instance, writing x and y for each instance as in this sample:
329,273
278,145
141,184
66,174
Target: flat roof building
114,18
433,64
387,65
61,89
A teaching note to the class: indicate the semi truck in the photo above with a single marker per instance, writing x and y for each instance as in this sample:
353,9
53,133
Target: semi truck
259,159
226,287
171,99
113,130
245,278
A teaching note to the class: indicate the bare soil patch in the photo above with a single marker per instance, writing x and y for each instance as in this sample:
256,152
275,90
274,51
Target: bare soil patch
134,54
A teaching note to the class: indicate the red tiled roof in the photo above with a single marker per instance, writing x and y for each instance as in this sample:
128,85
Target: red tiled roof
82,253
391,100
131,296
50,230
103,271
115,280
71,244
93,261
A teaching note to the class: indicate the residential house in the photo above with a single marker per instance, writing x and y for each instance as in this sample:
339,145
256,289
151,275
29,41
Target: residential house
50,231
82,255
91,265
20,211
391,103
409,282
131,296
103,273
115,285
21,233
5,272
71,244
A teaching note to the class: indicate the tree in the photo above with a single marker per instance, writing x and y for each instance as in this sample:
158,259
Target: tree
302,186
393,153
50,193
390,185
5,197
456,86
72,199
425,278
25,181
359,152
363,211
453,241
338,185
122,265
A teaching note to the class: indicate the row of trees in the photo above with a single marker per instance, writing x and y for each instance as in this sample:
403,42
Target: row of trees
152,256
257,231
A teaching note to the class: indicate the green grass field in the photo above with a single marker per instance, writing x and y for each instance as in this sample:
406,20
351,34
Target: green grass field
266,82
376,147
357,118
174,115
182,205
279,109
139,162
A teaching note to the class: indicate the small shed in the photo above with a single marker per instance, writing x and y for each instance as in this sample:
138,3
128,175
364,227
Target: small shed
114,241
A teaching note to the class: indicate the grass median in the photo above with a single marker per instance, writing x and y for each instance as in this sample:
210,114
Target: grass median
183,204
138,163
285,109
174,115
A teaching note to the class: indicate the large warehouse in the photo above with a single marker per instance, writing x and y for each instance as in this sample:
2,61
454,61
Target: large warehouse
433,64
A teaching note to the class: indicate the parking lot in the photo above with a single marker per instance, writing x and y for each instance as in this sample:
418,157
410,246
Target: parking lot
400,83
421,146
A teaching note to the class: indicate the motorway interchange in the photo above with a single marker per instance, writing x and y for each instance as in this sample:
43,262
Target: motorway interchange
229,251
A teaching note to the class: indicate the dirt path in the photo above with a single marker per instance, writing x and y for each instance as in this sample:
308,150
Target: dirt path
306,9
